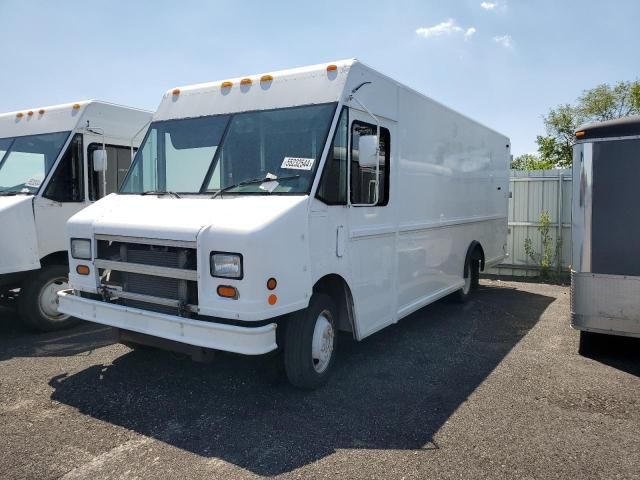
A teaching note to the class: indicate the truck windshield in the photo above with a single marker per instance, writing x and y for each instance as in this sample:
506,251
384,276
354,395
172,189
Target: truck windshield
206,154
26,161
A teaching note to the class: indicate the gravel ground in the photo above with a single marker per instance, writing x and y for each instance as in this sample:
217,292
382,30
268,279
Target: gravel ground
492,389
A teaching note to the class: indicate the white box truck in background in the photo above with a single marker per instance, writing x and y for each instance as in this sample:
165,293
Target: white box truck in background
54,161
266,213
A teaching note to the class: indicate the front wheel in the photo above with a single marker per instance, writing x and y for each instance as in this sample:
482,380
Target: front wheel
310,343
38,299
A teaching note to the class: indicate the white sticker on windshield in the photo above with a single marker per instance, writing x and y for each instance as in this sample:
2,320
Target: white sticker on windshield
33,183
297,163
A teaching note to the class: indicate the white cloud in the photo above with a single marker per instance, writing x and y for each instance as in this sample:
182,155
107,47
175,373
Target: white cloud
444,28
505,40
489,5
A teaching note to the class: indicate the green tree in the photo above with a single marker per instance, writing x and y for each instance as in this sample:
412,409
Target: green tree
603,102
530,161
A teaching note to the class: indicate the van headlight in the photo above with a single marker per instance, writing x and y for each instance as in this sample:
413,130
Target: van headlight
81,248
226,265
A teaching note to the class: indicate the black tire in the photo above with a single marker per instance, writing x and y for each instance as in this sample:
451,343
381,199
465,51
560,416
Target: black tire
472,275
302,370
29,300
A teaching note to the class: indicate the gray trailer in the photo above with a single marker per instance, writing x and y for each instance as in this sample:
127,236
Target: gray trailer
605,273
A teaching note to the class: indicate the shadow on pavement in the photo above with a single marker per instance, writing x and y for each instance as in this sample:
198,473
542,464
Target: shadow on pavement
392,391
622,353
17,341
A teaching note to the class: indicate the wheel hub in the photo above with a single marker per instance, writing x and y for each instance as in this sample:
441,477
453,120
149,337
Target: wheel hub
322,343
48,299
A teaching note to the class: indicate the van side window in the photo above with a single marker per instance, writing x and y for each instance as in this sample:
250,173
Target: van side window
363,178
332,189
66,184
118,163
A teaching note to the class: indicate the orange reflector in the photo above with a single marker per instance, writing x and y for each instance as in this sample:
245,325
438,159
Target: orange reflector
227,292
76,106
272,283
580,133
19,115
272,299
41,111
82,270
176,91
332,68
266,78
226,84
245,81
30,113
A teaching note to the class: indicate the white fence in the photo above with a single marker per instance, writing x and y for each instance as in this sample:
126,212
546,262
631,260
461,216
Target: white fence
531,194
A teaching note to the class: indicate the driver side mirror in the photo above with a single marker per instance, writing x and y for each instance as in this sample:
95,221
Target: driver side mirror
99,160
368,151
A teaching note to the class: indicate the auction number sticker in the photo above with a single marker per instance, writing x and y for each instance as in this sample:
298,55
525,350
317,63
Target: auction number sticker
297,163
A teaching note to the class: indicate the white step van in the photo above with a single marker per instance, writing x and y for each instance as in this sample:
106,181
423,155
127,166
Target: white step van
54,161
268,212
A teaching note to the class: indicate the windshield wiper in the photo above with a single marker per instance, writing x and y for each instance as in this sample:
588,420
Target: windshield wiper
254,180
160,192
11,193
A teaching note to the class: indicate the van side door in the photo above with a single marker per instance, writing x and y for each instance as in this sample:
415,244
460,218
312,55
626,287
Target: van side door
372,228
61,197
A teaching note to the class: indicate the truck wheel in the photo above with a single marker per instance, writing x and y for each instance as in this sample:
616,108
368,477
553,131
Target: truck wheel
310,343
472,276
38,299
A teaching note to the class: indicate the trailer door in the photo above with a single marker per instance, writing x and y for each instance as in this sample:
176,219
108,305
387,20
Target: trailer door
372,229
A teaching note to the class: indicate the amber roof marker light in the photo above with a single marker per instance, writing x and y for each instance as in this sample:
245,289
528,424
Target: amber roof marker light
332,68
580,134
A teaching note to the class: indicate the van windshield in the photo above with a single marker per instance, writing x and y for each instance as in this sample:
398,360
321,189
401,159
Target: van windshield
26,161
207,154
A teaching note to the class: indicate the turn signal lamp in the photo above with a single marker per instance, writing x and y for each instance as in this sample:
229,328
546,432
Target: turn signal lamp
226,84
332,68
272,283
227,291
82,270
246,81
273,299
266,78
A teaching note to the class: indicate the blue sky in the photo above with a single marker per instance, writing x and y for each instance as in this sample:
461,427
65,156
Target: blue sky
502,62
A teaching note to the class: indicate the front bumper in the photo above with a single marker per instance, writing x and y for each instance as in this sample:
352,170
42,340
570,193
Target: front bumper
229,338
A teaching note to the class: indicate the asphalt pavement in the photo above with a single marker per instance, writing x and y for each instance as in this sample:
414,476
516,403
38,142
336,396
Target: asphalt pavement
491,389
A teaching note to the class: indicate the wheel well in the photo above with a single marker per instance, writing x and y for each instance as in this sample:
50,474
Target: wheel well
336,287
474,252
55,258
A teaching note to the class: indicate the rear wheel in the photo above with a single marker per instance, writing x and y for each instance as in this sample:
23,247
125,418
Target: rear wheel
310,343
38,300
471,279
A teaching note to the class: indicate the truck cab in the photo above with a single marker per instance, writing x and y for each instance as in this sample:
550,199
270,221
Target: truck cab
54,161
